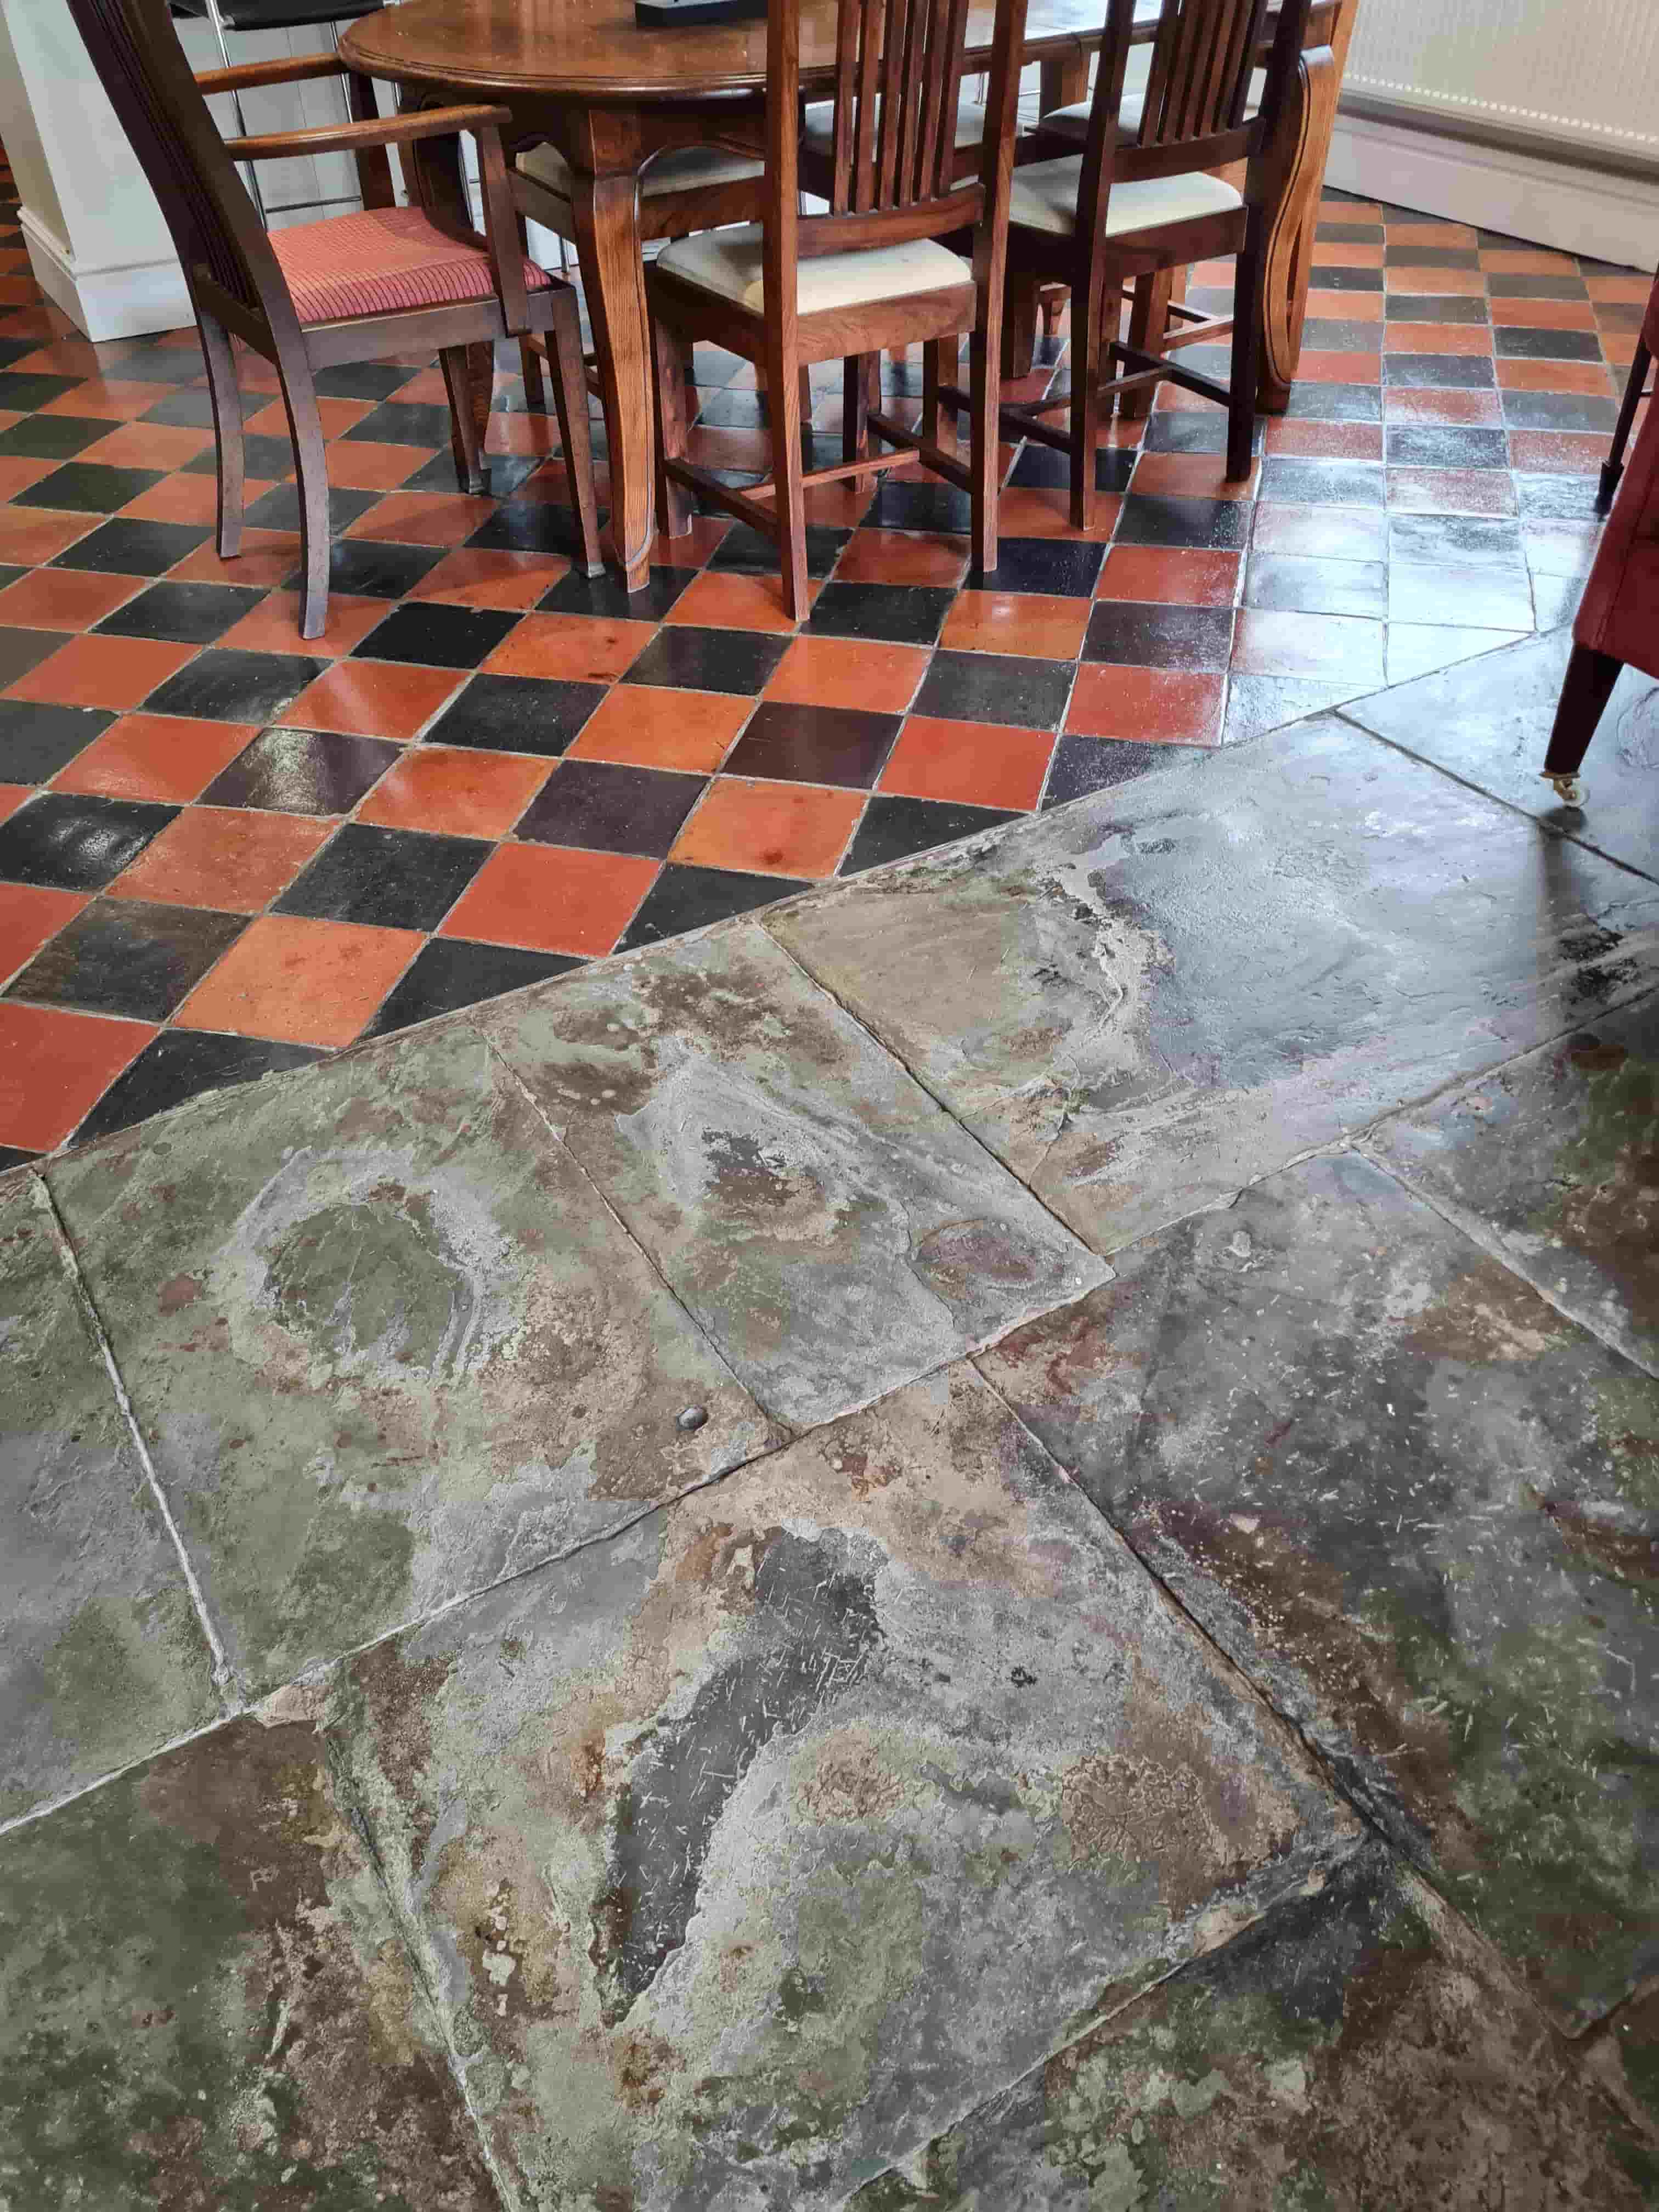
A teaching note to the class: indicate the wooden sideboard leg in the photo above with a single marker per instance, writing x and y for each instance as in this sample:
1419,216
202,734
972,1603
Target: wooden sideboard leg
1289,260
613,283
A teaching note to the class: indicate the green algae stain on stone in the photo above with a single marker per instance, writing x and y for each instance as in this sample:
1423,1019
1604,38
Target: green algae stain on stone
203,2007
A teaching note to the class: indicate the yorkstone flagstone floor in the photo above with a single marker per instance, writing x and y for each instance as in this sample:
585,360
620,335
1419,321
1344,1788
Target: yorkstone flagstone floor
985,1541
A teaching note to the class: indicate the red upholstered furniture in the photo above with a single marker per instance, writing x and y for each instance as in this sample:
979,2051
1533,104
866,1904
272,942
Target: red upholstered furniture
1618,624
388,281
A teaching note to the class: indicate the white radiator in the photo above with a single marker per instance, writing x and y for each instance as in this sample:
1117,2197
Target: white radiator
1581,73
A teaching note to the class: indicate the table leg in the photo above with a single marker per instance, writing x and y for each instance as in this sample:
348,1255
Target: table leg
1287,265
613,282
1062,79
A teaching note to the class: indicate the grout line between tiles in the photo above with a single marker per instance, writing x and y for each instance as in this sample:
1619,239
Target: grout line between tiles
223,1675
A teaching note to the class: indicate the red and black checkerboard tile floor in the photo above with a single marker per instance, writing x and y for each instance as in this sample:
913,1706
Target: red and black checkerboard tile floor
224,850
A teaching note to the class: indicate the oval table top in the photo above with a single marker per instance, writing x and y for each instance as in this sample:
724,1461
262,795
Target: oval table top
593,50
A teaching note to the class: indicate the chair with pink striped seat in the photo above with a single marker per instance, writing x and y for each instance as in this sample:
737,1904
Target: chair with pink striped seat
387,281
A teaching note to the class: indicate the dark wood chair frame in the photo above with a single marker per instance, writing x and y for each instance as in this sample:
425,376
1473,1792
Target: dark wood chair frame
236,285
1193,121
886,186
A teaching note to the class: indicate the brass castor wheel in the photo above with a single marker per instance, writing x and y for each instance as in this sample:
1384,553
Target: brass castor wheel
1568,788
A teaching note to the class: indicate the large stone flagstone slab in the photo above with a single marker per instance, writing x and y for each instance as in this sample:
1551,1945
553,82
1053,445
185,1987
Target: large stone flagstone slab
386,1345
1354,2050
1143,1001
750,1849
1555,1158
833,1231
102,1659
1489,721
204,2007
1419,1506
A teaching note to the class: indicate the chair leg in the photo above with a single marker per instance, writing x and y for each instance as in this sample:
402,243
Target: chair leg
530,361
790,497
861,390
311,469
938,423
1246,356
1613,467
1585,690
1019,322
1149,326
674,507
466,436
985,388
227,431
1086,348
570,398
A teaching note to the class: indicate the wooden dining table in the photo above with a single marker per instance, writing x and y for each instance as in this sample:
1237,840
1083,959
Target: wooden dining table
582,75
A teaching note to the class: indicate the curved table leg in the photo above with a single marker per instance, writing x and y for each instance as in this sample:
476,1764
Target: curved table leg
613,280
1288,262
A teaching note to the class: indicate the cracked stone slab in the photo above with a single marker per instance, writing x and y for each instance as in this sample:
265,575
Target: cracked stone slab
102,1658
1353,2050
749,1849
1490,721
385,1345
833,1231
204,2006
1146,1000
1419,1506
1556,1159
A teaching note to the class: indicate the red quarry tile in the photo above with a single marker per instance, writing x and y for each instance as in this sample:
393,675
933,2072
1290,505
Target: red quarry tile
1050,627
1587,378
1632,291
100,399
424,517
726,599
12,796
508,582
1437,337
426,387
978,764
893,556
64,598
1197,476
1441,406
29,915
18,473
1337,368
338,416
1348,306
1526,261
161,757
103,672
580,648
301,981
362,464
1158,706
267,558
838,672
146,445
1044,510
1544,314
1177,575
644,726
1451,491
274,625
521,434
454,788
54,1068
374,699
230,858
1458,235
1342,442
769,829
1558,452
551,898
1341,253
28,534
184,499
1440,284
694,549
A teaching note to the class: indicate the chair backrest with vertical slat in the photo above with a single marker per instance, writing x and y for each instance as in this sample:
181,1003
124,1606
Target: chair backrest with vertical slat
141,66
1198,86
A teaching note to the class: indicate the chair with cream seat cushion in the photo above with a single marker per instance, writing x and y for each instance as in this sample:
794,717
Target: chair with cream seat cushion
869,273
817,137
1072,122
1125,209
684,170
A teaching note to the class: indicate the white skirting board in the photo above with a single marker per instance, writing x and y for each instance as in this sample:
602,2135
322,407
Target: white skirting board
1546,202
124,301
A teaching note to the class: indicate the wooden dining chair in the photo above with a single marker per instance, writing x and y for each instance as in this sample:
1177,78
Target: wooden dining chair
872,272
364,287
1125,209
